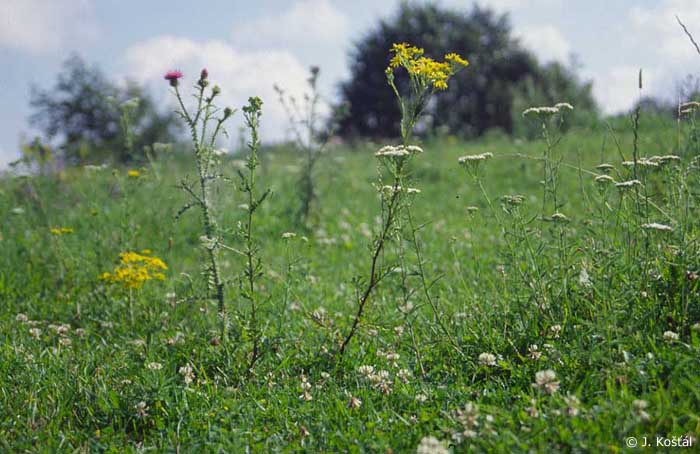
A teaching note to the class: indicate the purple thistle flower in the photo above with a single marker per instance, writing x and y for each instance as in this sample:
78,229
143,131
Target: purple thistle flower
172,77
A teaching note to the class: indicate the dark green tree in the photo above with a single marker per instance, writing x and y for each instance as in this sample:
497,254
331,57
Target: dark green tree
80,114
479,98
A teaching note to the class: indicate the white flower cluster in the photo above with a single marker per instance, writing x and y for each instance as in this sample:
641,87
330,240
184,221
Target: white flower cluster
399,151
431,445
548,111
546,380
390,189
628,184
475,158
657,226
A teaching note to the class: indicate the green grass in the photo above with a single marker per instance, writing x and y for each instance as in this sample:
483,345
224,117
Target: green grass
502,281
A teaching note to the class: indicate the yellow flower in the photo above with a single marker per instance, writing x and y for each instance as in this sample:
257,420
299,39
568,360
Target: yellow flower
425,72
58,231
133,174
456,60
135,269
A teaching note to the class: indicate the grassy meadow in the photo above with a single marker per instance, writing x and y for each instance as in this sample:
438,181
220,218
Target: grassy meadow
515,330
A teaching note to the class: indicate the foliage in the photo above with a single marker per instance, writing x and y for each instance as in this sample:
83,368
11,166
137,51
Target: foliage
82,114
479,100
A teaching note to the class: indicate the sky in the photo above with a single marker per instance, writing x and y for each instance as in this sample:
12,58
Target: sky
248,46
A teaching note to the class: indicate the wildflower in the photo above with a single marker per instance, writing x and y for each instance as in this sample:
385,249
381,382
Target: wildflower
154,366
546,380
398,330
563,106
366,371
605,167
487,359
404,375
532,409
431,445
425,72
65,342
173,77
21,318
670,336
534,352
639,409
187,373
135,269
475,158
220,152
420,398
390,151
572,405
80,332
288,235
354,403
558,217
58,231
628,184
555,330
306,396
604,179
658,227
513,200
469,419
541,111
643,162
141,409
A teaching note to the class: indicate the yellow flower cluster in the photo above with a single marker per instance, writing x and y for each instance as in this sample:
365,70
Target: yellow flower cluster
136,269
133,174
58,231
426,70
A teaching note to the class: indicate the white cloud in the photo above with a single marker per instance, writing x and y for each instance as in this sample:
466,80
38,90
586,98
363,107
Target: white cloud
306,22
545,41
315,31
40,26
240,74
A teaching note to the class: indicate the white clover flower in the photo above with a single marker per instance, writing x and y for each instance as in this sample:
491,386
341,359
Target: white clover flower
187,373
64,341
21,318
366,371
546,380
670,336
534,352
487,359
639,407
354,402
555,330
658,227
154,366
141,409
431,445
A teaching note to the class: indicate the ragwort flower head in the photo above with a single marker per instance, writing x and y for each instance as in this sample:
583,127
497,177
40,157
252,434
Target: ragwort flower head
428,73
135,269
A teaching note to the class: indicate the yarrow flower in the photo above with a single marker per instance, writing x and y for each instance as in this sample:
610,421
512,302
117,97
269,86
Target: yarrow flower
602,179
400,151
173,77
136,269
475,158
658,227
628,184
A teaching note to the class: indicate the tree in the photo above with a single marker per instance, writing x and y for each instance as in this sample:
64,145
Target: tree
480,98
81,114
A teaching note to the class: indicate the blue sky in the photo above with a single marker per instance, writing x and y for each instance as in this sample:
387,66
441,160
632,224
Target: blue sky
250,45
